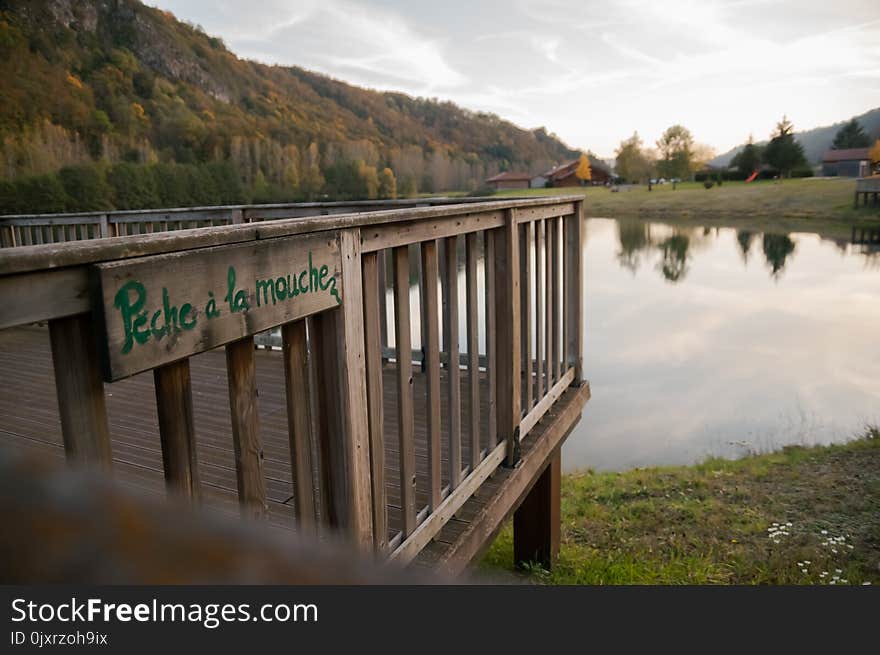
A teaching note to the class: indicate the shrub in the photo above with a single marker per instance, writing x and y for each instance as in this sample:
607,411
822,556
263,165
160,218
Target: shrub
708,184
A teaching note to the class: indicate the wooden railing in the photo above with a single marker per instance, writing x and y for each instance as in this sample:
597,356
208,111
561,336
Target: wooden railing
36,229
867,187
460,408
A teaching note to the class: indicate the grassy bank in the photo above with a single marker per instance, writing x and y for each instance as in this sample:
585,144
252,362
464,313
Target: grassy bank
798,516
815,205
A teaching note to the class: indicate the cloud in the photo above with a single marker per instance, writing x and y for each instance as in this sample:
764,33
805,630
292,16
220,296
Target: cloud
592,72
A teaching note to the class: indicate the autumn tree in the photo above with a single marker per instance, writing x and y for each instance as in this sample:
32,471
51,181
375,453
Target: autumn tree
633,163
783,152
676,148
583,172
851,135
387,184
874,154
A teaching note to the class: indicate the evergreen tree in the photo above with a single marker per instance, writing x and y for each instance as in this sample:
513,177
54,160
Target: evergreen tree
851,135
783,152
748,159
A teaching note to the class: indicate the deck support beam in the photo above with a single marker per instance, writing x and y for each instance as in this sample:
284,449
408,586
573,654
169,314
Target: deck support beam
536,523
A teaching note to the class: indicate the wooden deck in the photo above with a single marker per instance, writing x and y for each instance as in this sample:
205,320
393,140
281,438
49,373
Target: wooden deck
324,436
30,421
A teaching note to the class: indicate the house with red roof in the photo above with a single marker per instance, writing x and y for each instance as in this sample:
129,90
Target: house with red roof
509,180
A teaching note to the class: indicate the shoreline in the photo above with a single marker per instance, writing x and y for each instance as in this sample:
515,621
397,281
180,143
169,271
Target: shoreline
800,515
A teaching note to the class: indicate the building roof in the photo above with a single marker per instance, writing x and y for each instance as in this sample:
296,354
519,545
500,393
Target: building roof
849,154
569,167
509,176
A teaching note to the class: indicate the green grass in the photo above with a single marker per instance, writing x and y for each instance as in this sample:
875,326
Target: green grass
708,523
811,204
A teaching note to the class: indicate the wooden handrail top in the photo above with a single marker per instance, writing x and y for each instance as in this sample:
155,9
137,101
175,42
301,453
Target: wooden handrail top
51,256
224,210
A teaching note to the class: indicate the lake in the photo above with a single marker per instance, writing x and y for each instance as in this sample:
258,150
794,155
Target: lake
709,341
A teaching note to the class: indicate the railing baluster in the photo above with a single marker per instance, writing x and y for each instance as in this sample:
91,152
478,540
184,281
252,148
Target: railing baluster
539,309
507,326
526,312
473,346
80,391
548,317
557,351
374,293
177,428
296,380
241,371
383,301
491,349
451,345
405,416
431,328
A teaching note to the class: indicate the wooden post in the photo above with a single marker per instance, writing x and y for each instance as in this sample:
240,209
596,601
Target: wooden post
573,340
373,357
80,391
296,379
237,216
537,521
246,441
177,428
343,419
507,329
104,226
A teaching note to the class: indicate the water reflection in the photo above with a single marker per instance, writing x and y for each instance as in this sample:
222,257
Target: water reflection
777,247
744,238
675,256
719,341
673,246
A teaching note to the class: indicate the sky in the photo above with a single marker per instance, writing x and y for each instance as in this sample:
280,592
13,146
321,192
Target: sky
591,72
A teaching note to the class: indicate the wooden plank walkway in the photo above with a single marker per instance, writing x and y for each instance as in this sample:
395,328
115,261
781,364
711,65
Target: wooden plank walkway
29,420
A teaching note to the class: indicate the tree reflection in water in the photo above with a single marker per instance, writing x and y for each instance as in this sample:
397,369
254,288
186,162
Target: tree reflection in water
745,238
634,236
675,256
777,248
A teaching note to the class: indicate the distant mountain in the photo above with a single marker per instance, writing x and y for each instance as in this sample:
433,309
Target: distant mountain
99,82
817,140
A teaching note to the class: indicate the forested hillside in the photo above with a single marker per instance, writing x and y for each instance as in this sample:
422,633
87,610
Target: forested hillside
109,103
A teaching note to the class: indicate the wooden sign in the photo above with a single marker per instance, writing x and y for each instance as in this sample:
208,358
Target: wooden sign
156,310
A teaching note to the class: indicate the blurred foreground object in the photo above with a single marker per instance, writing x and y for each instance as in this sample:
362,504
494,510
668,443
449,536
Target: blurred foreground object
76,525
